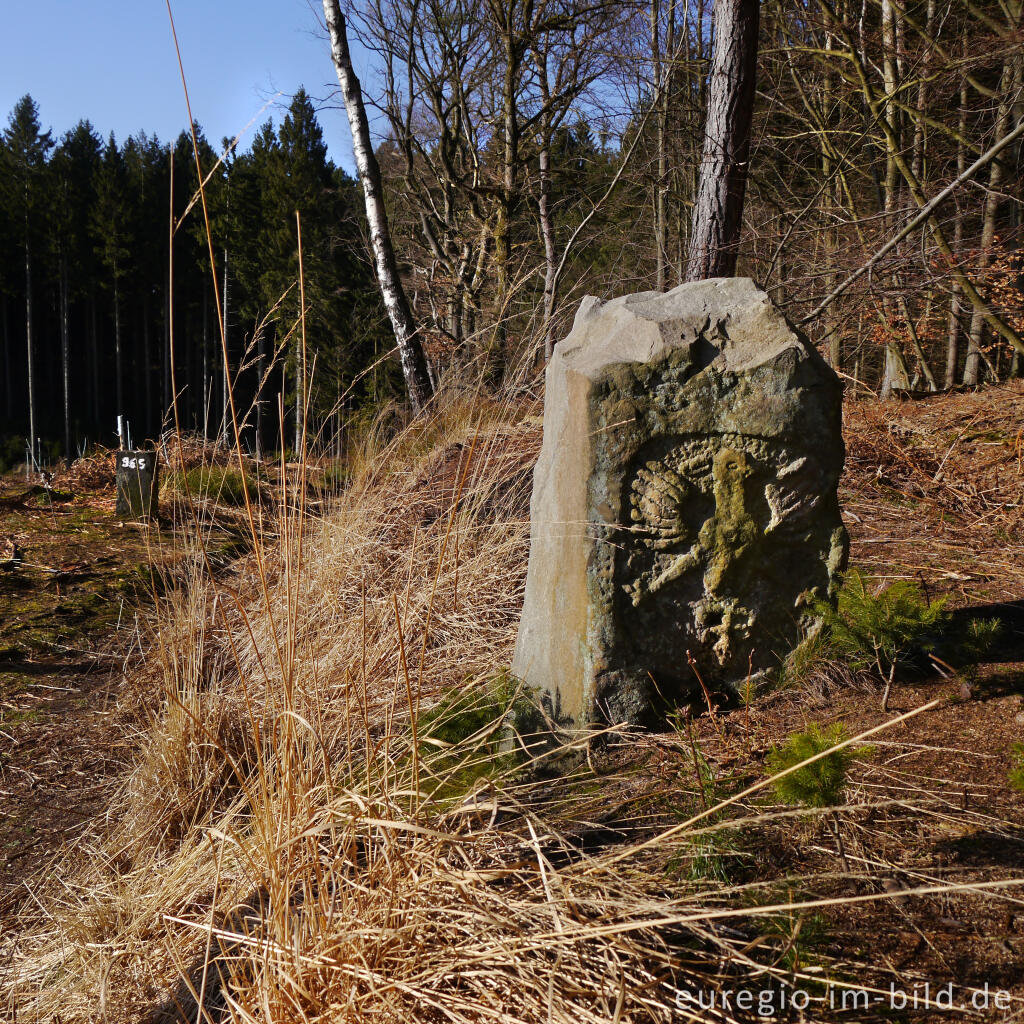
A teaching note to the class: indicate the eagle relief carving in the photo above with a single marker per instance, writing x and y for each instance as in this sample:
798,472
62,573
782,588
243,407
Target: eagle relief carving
705,515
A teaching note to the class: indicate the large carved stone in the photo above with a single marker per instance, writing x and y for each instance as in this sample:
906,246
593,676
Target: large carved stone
684,503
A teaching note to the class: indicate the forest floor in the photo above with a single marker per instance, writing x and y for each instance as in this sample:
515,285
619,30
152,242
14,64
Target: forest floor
933,492
70,602
62,605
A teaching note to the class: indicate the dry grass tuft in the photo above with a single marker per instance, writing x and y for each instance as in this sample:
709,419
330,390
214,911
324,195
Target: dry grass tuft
288,849
962,454
276,853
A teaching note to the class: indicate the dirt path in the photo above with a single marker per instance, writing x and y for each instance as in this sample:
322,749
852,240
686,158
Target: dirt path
67,607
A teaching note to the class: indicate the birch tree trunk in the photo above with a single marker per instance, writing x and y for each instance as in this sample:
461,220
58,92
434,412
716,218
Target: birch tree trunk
660,91
953,325
547,225
547,230
410,351
495,350
895,374
718,212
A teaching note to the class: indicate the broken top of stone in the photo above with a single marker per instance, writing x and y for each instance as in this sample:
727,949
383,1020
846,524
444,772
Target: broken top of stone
684,515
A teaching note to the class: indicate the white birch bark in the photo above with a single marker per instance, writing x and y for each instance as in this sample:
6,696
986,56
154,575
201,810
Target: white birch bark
410,351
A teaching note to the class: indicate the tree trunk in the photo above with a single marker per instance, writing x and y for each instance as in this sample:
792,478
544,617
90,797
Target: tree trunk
189,380
410,351
547,230
660,90
915,339
262,371
118,384
831,231
147,376
8,383
64,358
28,341
718,212
205,400
972,369
892,114
968,290
224,381
94,349
506,202
300,391
895,375
953,328
166,371
917,163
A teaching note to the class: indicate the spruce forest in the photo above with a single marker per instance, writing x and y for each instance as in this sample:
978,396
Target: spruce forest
564,565
90,282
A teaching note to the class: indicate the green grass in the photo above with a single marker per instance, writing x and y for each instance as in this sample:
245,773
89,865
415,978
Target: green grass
12,719
470,736
223,484
800,663
711,853
800,935
333,479
1016,773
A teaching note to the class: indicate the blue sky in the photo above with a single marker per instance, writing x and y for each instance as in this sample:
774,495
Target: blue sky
113,62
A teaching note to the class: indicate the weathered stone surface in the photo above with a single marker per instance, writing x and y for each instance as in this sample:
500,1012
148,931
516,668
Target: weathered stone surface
684,500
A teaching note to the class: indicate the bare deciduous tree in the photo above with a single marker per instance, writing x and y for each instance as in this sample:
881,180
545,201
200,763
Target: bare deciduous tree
414,363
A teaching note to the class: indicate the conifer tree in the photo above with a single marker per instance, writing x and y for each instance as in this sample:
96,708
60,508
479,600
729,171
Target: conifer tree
305,186
25,152
146,178
73,172
111,221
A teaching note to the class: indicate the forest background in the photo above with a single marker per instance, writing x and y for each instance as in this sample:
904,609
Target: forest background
531,152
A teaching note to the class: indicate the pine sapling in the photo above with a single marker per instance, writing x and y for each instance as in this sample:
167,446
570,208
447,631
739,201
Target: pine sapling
883,630
820,784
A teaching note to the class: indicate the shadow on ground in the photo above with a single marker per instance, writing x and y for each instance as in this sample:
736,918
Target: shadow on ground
1008,644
